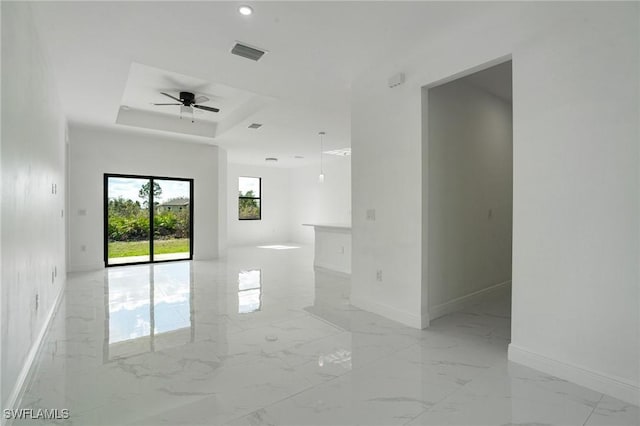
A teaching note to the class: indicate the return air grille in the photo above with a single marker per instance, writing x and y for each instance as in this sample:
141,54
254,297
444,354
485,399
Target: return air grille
247,51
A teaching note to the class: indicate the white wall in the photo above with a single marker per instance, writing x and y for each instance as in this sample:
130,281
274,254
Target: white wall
291,197
313,202
469,194
332,249
95,151
33,226
576,187
276,204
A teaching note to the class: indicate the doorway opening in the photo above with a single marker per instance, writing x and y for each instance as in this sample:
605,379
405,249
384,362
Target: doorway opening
468,175
147,219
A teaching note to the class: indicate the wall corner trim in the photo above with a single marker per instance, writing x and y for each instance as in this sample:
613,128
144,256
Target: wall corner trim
426,320
601,382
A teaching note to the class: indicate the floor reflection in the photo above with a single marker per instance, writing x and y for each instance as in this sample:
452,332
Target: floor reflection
297,354
148,307
249,291
341,357
331,300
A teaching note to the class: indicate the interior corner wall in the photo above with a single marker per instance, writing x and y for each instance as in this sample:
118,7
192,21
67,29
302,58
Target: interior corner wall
275,203
576,200
470,194
33,260
325,203
96,151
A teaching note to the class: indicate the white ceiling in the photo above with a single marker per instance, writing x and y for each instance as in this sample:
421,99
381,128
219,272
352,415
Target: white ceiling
316,49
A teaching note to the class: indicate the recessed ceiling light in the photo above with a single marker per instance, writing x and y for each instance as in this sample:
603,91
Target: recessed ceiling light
298,157
271,159
245,10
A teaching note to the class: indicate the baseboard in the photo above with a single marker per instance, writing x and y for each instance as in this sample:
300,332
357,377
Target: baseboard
15,397
426,320
387,311
598,381
460,303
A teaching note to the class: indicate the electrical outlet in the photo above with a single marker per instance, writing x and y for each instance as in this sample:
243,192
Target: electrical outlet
379,275
83,248
371,214
36,301
55,271
53,277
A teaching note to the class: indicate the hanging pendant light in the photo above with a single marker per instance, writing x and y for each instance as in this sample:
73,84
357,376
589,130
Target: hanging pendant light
321,176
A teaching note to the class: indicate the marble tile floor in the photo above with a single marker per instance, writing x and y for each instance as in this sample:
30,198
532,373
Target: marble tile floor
258,338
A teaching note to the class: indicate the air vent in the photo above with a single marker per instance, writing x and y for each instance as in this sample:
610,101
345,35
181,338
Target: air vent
247,51
255,125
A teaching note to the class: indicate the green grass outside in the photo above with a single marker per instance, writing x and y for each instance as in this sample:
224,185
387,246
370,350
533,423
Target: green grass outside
141,248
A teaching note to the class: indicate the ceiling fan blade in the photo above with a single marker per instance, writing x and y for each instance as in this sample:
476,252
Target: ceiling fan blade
206,108
166,104
172,97
201,99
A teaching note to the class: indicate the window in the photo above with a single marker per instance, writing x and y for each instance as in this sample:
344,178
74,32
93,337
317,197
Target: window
249,198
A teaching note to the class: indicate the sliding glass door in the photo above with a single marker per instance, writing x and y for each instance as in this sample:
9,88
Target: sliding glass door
147,219
128,224
172,220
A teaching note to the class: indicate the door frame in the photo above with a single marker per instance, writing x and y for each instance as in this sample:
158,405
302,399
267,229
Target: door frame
426,317
151,179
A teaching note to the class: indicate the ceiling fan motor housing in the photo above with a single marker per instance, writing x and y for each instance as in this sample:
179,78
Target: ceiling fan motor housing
187,98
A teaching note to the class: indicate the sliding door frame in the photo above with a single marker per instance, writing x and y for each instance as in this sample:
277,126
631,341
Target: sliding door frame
152,212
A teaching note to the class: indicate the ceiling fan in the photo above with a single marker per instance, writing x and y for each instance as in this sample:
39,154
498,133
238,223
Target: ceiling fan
187,101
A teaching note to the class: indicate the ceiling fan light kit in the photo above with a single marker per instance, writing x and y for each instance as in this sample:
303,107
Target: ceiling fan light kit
187,102
186,110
